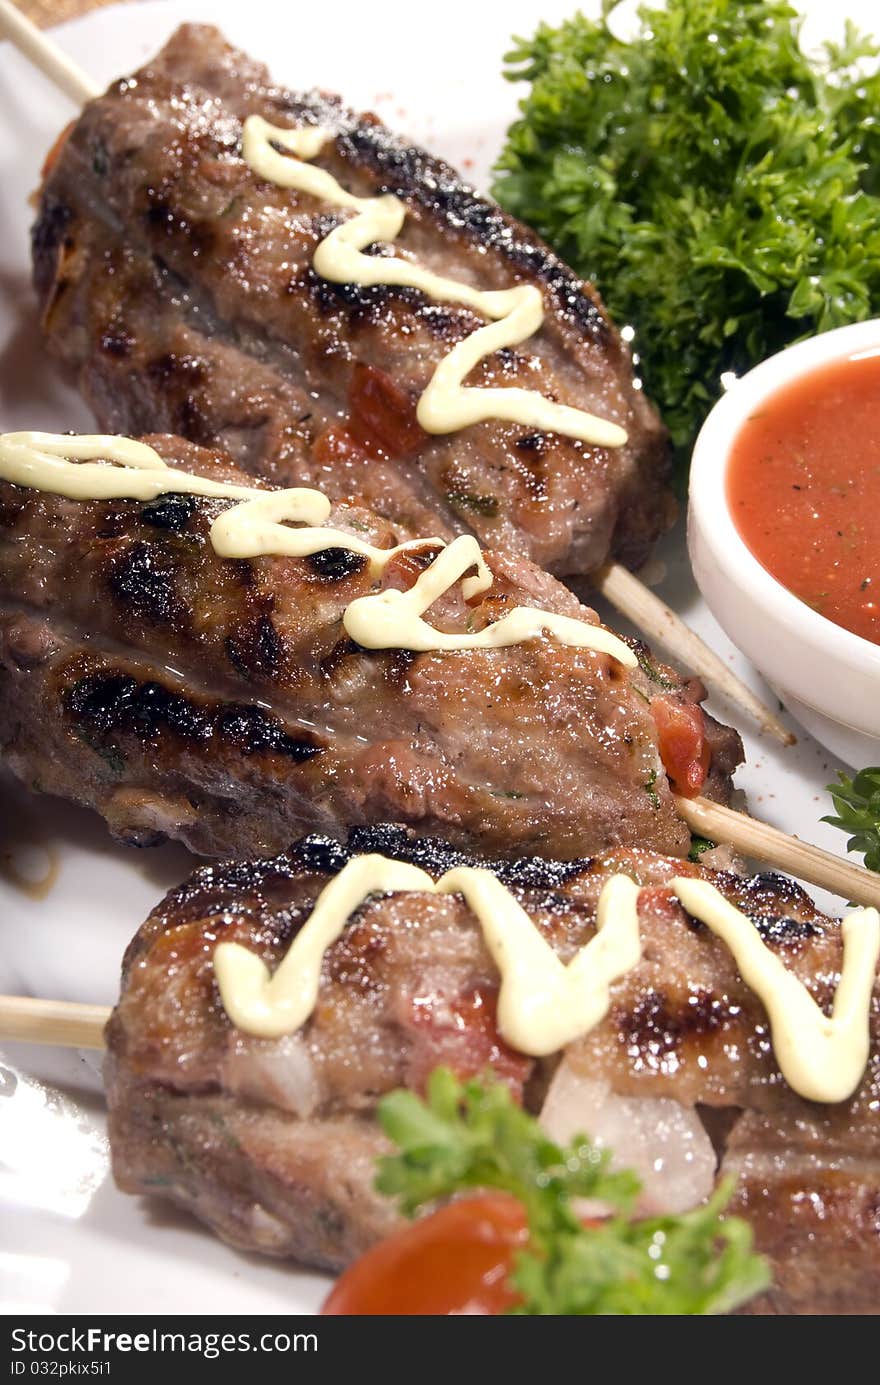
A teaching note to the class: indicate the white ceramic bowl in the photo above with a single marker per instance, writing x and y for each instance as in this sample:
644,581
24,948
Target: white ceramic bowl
828,678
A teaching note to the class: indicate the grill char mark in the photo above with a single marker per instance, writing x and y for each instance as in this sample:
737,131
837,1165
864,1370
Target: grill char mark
144,582
325,855
233,339
472,747
171,512
101,704
658,1028
256,648
334,564
409,172
807,1177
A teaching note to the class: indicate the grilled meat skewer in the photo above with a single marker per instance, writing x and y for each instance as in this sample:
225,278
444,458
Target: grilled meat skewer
220,701
272,1141
179,286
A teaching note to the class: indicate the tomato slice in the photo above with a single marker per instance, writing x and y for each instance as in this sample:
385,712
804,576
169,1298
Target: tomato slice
382,414
461,1033
454,1261
336,446
681,737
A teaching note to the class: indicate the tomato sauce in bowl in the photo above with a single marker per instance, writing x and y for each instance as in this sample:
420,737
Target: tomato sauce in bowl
803,487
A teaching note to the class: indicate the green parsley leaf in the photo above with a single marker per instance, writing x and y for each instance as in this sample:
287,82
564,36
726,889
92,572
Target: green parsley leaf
720,188
651,670
858,811
473,1135
699,845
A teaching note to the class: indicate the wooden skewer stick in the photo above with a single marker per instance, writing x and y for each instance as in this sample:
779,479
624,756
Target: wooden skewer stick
69,1025
778,849
60,1022
46,55
624,591
660,623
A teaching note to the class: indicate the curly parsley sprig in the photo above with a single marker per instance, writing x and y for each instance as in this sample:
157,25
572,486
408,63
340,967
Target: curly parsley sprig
473,1135
718,186
857,802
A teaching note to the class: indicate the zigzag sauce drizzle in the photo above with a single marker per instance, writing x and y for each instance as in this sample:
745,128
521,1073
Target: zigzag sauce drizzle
515,314
259,525
543,1004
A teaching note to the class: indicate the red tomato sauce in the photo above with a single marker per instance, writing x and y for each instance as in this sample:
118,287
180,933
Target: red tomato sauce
803,485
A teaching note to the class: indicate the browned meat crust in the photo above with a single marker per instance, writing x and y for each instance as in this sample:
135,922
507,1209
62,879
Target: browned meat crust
221,701
230,1126
179,287
261,1178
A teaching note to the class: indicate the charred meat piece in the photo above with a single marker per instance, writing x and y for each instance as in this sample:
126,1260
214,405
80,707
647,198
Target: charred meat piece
179,287
272,1141
221,701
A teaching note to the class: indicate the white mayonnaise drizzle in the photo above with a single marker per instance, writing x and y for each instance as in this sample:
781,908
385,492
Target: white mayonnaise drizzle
393,619
821,1057
446,405
542,1003
259,526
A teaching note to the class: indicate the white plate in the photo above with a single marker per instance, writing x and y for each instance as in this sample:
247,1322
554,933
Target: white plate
71,1242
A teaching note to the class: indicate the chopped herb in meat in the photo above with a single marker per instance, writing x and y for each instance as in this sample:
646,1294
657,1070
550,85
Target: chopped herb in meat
652,672
486,505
